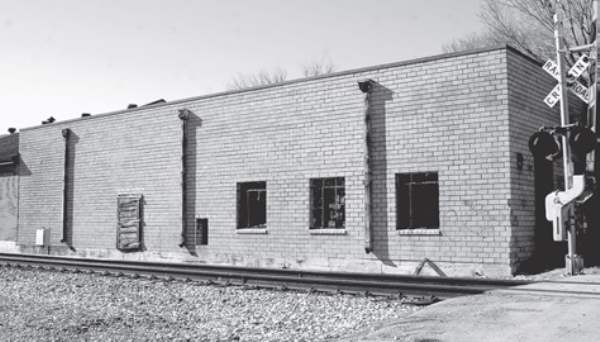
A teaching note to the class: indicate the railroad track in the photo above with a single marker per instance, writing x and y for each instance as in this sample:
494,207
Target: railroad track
429,289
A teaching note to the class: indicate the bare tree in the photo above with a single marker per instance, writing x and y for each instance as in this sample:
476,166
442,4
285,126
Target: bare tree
528,25
317,67
473,41
278,75
263,77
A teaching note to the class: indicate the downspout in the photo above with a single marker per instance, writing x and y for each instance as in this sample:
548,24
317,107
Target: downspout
66,133
184,115
366,86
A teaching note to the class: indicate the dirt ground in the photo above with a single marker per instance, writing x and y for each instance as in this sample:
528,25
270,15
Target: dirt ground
564,309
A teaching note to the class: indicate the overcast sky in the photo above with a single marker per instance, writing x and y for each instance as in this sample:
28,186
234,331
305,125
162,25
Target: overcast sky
65,57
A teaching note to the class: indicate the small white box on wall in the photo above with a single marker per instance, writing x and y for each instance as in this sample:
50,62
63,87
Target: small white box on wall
40,237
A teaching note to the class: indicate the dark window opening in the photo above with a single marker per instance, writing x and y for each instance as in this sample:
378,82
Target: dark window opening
327,203
252,204
417,200
201,232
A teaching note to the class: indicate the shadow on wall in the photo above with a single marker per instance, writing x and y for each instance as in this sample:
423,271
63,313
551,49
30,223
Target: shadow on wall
194,122
379,191
8,206
22,169
589,242
9,198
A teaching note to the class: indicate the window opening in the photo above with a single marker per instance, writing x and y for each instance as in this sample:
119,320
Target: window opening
328,202
417,200
252,205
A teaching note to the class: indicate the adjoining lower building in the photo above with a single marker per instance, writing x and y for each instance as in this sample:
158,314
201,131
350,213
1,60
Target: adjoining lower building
393,168
9,184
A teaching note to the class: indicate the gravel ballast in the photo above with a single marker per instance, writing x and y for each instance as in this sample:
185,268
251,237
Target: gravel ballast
38,305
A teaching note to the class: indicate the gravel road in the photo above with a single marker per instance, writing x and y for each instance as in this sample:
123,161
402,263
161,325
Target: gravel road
37,305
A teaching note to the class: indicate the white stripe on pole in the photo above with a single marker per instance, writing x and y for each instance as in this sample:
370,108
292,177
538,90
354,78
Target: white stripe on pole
591,114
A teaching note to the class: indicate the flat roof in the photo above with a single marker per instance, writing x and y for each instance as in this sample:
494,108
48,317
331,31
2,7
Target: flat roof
300,80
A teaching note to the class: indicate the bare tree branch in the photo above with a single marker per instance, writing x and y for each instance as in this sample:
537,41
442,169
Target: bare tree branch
473,41
316,68
263,77
528,25
278,75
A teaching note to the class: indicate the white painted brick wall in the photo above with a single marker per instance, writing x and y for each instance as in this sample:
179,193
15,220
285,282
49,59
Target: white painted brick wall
449,115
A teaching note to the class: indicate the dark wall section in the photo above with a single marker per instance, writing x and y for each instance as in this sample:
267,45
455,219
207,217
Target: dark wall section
9,147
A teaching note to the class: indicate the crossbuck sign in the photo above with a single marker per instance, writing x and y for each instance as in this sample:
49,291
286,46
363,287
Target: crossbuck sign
574,86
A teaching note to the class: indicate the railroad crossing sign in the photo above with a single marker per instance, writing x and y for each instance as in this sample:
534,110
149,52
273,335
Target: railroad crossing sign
554,96
574,86
579,67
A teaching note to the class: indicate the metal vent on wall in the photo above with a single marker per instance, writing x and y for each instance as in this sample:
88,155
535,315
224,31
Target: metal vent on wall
129,226
201,233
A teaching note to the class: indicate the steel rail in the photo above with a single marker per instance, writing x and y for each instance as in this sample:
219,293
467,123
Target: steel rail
376,284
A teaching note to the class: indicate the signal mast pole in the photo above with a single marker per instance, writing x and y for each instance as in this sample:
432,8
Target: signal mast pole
592,114
570,259
564,101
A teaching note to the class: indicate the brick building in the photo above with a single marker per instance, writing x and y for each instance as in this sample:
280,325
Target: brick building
9,183
274,175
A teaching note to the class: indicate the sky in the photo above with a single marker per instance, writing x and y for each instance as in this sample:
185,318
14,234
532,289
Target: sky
62,58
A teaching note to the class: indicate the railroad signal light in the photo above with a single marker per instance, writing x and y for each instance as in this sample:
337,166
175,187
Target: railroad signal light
543,145
582,141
